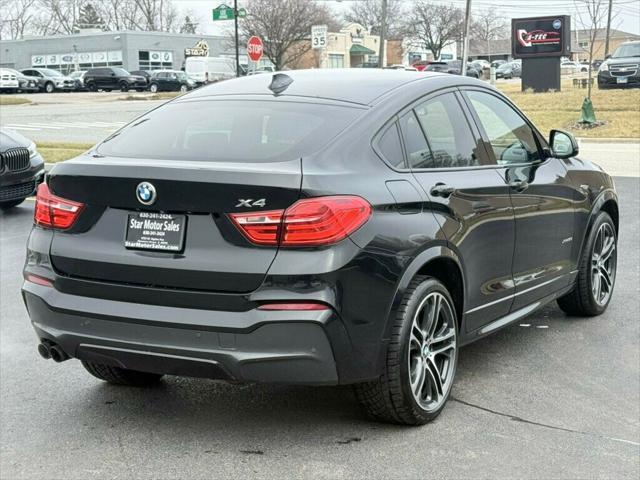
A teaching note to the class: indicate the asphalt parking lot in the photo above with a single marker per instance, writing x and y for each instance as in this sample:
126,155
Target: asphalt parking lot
75,117
549,397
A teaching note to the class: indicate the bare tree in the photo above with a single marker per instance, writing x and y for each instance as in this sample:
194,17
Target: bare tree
592,15
157,15
284,27
17,16
486,26
435,26
368,13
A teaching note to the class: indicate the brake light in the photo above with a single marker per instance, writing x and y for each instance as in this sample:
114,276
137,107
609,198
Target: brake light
308,222
55,212
38,280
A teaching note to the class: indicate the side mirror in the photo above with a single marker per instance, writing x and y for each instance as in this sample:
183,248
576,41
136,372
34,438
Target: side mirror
563,144
607,56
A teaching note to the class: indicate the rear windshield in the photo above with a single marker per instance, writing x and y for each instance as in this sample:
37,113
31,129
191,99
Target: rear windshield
230,131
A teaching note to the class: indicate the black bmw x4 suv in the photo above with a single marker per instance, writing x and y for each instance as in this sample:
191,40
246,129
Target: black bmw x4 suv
319,227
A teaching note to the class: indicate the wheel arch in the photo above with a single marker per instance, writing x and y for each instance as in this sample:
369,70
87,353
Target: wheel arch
607,201
441,263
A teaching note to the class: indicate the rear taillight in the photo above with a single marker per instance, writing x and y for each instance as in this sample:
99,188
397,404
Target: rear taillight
308,222
55,212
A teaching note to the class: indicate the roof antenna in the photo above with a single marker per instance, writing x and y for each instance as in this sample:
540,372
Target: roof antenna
279,83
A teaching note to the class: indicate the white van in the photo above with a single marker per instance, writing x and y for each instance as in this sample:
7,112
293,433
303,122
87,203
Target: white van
217,68
8,81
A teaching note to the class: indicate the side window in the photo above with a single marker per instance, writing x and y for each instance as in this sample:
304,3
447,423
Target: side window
418,152
161,75
448,133
510,137
390,147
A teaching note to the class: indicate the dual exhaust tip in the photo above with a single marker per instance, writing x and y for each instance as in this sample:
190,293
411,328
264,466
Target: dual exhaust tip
49,350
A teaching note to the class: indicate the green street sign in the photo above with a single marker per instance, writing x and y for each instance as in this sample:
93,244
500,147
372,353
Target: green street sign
223,12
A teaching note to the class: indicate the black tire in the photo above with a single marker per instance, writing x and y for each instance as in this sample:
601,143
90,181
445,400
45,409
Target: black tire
92,87
106,89
121,376
581,300
153,88
124,87
49,87
390,398
11,204
184,89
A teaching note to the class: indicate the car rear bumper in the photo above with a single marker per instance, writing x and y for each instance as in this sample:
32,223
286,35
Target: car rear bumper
253,346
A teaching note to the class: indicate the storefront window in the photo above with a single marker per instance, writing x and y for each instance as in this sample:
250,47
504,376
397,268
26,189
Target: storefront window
336,61
155,60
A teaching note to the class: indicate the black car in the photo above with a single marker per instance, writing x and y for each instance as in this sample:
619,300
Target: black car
455,67
170,81
622,69
50,80
318,227
21,168
113,78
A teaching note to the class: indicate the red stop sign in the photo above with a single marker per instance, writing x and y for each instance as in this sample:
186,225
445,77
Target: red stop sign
255,48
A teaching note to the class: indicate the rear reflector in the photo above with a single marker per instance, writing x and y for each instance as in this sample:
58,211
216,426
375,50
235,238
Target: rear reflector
45,282
308,222
294,306
55,212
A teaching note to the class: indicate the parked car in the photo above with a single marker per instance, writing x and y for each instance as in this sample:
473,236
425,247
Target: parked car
21,168
497,63
323,227
482,63
78,78
50,80
420,65
622,69
26,84
455,67
143,73
509,70
170,81
113,78
8,81
210,69
438,67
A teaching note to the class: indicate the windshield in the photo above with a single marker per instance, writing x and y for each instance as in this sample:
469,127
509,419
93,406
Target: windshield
230,131
50,73
629,50
120,72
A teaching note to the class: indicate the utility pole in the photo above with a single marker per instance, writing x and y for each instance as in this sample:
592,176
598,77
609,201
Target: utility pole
606,43
383,34
235,22
465,40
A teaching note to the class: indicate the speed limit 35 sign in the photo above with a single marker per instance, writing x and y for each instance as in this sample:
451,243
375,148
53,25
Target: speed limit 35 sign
319,36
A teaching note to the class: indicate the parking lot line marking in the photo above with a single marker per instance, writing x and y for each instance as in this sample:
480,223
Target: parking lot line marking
542,326
17,127
39,125
525,325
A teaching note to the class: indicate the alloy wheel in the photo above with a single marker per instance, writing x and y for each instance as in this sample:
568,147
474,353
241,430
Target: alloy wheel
603,264
432,351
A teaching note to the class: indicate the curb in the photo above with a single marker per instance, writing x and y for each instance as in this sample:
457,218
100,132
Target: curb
607,140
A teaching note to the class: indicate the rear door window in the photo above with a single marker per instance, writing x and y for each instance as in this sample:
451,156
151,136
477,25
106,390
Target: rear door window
418,153
390,147
231,131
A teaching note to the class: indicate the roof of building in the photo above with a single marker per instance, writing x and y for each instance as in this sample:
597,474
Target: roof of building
501,46
601,34
86,34
354,85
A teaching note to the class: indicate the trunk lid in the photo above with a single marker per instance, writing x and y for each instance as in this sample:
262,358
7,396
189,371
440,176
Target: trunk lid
214,256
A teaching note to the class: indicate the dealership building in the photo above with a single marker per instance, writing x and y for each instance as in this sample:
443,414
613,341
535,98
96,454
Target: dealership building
132,50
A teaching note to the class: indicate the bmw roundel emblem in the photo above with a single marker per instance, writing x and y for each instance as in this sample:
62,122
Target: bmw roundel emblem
557,23
146,193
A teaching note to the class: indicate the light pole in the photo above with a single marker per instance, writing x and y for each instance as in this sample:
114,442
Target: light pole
383,33
465,41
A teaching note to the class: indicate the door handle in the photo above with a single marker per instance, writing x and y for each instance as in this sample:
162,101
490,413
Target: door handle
441,190
519,185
